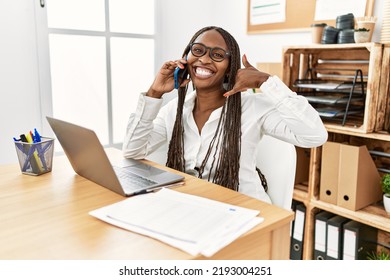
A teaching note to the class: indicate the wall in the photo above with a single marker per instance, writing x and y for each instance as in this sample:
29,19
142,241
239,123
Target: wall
176,24
19,81
178,20
232,17
266,47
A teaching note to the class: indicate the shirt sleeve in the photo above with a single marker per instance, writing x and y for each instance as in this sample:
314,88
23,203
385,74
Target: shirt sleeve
292,118
145,130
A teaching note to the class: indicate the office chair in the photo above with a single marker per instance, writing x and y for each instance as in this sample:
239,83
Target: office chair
160,155
277,161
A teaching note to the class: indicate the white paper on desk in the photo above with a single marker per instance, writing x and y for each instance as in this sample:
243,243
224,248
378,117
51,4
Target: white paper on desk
191,223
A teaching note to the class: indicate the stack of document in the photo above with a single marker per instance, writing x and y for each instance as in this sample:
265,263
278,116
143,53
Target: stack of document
193,224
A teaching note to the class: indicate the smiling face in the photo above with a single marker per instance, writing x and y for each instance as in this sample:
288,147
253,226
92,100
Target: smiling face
207,74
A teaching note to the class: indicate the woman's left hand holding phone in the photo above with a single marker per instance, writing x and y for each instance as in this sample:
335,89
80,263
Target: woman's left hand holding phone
164,80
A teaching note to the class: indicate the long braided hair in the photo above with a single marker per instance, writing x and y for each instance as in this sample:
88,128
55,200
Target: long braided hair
227,139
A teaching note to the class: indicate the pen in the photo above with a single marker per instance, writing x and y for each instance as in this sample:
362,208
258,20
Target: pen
37,136
38,162
25,150
38,139
23,138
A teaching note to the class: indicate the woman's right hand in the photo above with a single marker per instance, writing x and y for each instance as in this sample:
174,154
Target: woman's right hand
164,80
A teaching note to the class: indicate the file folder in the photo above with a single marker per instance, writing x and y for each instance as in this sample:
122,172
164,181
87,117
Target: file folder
293,208
359,179
320,234
329,180
359,241
292,223
298,232
334,240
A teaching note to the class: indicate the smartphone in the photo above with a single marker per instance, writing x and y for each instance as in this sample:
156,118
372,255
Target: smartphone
179,75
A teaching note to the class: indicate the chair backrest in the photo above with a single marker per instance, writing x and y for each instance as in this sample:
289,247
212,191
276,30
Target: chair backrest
277,161
160,155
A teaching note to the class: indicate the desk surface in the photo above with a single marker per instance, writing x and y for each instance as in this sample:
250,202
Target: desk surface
46,217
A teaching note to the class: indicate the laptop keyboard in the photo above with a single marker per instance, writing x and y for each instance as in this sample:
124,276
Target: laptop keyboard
129,178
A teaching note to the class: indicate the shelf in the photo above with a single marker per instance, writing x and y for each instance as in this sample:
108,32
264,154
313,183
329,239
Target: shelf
334,46
324,85
331,100
330,69
384,135
331,112
328,87
300,193
373,215
335,100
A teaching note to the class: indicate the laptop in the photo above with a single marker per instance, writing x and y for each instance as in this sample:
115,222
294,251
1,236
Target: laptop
88,159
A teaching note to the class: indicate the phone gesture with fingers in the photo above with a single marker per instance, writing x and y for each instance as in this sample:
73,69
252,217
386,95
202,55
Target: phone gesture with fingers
247,78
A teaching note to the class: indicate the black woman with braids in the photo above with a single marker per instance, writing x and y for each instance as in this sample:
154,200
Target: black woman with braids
213,131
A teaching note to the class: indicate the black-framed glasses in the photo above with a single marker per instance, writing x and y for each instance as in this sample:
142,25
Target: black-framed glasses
216,54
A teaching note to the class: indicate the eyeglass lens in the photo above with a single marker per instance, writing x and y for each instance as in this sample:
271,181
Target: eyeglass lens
216,54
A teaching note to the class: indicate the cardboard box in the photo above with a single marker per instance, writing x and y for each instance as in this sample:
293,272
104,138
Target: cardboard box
349,176
330,172
359,179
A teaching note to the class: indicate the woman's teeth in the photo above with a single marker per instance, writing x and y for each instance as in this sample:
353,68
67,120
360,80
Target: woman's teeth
203,72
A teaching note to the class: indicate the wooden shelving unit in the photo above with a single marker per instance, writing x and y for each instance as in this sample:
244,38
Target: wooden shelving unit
372,130
367,57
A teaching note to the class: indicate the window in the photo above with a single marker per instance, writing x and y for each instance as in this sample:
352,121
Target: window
101,58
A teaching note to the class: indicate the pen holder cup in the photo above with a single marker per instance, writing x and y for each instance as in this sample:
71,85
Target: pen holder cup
35,158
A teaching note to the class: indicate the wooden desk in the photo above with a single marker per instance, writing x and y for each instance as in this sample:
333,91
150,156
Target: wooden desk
46,217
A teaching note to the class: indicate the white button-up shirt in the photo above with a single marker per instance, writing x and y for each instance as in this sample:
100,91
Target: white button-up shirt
275,111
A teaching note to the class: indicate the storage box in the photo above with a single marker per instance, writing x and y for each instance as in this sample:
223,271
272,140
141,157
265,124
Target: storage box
349,176
359,179
35,158
329,172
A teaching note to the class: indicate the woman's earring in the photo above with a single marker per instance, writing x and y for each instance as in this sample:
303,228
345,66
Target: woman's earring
226,80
